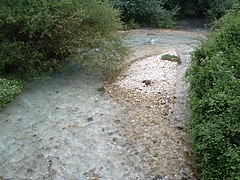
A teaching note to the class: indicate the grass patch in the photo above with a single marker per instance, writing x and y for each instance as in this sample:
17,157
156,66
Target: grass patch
170,57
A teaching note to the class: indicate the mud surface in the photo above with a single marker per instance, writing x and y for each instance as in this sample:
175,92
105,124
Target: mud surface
77,126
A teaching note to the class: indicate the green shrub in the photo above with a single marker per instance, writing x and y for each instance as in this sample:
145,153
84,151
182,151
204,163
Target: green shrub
9,88
144,12
37,36
214,98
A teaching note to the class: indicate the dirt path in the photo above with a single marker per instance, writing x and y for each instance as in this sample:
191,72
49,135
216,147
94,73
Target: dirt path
66,127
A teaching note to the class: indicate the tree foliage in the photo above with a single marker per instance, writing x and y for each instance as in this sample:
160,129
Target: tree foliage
144,12
162,13
212,9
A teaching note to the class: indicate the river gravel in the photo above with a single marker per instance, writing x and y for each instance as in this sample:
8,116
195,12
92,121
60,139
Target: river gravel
77,126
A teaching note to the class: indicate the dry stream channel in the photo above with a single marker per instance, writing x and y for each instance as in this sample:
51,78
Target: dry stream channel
78,126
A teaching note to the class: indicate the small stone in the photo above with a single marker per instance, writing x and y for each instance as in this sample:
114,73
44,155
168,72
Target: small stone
163,102
89,119
72,126
136,152
110,134
184,174
188,151
147,82
158,177
117,121
165,113
101,89
155,155
28,170
161,177
137,100
179,127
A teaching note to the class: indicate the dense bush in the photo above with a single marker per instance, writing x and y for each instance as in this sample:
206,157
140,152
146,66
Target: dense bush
146,12
9,88
215,101
212,9
217,8
162,13
39,35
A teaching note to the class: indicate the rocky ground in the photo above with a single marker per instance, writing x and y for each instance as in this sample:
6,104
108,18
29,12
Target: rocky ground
79,126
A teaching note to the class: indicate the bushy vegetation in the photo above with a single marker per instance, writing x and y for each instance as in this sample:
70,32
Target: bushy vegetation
215,101
217,8
39,35
213,9
146,13
9,88
162,13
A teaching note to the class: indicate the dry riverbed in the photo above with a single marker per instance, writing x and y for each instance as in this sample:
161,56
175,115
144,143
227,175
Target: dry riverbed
79,126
